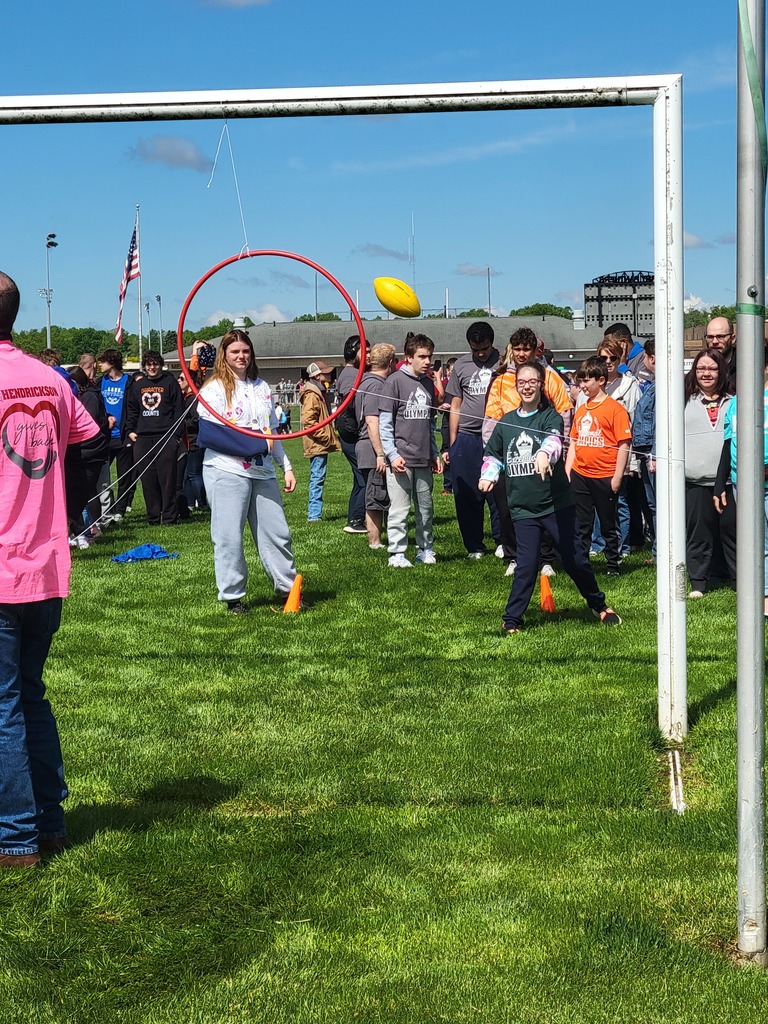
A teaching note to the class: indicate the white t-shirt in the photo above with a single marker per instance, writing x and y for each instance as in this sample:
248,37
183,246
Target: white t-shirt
252,406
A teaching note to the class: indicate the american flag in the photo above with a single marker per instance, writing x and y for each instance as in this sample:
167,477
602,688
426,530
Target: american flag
131,272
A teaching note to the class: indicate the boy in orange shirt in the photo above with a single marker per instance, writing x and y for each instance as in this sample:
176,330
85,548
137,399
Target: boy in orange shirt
597,457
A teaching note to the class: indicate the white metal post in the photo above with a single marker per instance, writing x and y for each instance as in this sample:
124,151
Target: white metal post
670,432
750,335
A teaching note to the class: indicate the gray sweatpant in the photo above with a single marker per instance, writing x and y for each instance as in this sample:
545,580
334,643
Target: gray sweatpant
412,485
233,500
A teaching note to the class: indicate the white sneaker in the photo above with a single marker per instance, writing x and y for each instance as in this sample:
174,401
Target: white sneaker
475,555
426,557
547,570
117,518
696,593
399,562
499,552
377,547
83,543
511,569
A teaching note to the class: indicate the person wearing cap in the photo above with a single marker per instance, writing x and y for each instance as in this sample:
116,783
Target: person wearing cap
315,407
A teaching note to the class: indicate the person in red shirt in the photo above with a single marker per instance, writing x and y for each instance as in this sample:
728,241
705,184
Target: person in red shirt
597,457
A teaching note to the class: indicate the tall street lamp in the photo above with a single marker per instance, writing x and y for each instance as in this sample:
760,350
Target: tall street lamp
46,292
149,323
160,306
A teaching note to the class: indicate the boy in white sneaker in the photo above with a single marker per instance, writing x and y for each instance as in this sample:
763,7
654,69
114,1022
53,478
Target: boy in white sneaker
407,427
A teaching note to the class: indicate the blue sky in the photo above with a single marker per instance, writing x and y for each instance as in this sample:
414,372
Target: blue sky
547,199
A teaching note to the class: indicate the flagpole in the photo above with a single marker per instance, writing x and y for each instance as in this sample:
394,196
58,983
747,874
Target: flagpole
138,250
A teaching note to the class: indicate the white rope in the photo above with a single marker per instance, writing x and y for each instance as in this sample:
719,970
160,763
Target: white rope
225,131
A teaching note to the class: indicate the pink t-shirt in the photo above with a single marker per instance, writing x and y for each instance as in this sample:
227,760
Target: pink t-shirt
39,417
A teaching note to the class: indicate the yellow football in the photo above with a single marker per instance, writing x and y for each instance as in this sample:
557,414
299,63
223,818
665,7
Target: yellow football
396,296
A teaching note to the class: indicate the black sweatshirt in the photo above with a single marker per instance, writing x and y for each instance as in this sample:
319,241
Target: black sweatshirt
155,404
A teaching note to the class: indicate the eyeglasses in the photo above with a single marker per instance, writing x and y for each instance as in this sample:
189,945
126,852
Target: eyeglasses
528,383
717,337
609,359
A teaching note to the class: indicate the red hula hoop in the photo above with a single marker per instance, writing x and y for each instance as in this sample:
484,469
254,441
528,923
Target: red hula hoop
329,277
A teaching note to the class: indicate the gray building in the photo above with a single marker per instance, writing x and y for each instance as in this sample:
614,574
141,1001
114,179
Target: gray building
284,349
625,297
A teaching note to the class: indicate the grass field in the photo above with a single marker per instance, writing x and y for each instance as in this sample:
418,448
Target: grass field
379,810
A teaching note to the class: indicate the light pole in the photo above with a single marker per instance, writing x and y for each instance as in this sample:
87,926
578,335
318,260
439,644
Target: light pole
160,309
149,324
46,292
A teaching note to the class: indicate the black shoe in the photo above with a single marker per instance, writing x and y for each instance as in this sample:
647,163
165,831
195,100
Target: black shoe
613,574
237,607
356,526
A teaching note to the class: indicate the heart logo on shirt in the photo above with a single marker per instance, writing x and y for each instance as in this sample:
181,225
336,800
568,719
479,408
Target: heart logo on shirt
37,433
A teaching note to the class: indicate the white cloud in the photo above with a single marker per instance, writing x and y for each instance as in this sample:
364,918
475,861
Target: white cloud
171,151
259,314
691,302
729,238
710,69
292,280
377,251
460,154
474,270
566,297
691,241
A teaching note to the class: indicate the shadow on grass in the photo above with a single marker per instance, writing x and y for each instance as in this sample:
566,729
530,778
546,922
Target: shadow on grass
164,801
698,709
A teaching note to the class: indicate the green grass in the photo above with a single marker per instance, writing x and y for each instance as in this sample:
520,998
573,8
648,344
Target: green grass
380,810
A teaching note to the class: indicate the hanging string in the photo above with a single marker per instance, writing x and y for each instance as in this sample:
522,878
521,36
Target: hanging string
225,131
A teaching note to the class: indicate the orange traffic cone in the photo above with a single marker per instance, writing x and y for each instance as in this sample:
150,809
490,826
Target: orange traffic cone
293,604
546,600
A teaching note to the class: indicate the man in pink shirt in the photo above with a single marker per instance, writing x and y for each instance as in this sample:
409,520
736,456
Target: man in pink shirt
39,417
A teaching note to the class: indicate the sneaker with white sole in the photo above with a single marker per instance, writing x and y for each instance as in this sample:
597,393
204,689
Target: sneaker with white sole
607,616
499,552
399,562
547,570
426,557
475,555
511,568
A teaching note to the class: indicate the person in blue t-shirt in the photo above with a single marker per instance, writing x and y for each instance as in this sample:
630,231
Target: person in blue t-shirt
114,386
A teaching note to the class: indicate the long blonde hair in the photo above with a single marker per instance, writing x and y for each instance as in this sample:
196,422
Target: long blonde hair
222,371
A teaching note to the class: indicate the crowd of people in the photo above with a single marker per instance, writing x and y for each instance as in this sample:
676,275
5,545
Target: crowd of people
548,455
388,435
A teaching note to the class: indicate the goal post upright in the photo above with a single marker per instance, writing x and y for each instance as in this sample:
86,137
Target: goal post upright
670,410
663,92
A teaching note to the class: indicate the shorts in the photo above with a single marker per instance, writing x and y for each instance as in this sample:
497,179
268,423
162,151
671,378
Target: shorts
376,496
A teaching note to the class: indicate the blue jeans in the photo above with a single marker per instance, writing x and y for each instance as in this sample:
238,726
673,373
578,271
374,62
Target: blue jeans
318,467
32,784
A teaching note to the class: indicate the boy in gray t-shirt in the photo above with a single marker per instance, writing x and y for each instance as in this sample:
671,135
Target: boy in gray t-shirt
407,426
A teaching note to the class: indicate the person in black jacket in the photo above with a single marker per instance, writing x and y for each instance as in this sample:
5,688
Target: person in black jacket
83,464
155,424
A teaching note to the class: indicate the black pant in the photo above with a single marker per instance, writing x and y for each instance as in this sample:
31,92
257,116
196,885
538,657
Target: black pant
561,526
548,553
158,477
596,495
466,463
710,548
122,454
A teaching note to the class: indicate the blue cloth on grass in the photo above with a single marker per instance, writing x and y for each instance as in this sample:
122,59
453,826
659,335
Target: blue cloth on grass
142,553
